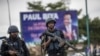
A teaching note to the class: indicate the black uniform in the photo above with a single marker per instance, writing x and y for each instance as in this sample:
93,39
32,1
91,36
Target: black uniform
15,44
53,49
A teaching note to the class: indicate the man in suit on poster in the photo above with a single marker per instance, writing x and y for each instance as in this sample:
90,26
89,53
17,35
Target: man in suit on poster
69,30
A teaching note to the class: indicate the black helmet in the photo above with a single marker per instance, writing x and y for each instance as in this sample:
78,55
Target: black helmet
50,20
12,29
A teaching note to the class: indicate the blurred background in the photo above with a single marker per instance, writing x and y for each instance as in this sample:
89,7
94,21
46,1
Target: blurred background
10,15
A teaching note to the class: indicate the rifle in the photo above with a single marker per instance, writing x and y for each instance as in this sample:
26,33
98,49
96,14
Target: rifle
62,42
3,37
43,37
43,40
11,47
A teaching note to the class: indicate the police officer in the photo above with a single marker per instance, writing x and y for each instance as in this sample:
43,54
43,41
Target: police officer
14,46
51,45
54,42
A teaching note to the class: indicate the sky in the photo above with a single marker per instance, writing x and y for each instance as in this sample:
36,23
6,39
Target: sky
17,6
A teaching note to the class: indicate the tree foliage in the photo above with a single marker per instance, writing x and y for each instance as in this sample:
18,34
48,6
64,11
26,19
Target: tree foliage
56,6
95,30
36,6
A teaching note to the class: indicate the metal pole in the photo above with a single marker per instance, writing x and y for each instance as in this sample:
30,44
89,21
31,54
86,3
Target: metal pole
87,27
9,13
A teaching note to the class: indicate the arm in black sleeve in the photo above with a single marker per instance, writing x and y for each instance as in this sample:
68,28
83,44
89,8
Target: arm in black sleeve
26,51
4,49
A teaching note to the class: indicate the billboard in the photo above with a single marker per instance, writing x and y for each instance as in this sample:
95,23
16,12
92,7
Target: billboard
33,24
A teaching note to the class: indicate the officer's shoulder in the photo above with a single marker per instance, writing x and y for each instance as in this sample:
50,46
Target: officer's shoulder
21,39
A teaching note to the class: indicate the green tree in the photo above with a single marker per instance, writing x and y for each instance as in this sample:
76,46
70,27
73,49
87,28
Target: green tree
36,6
82,25
95,30
56,6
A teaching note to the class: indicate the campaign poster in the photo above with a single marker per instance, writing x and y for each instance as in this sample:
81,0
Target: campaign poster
33,24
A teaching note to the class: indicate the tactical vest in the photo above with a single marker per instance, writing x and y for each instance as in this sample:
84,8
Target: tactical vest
53,45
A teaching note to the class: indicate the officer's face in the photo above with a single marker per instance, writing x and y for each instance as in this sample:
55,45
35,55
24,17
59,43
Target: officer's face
67,19
14,34
51,25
